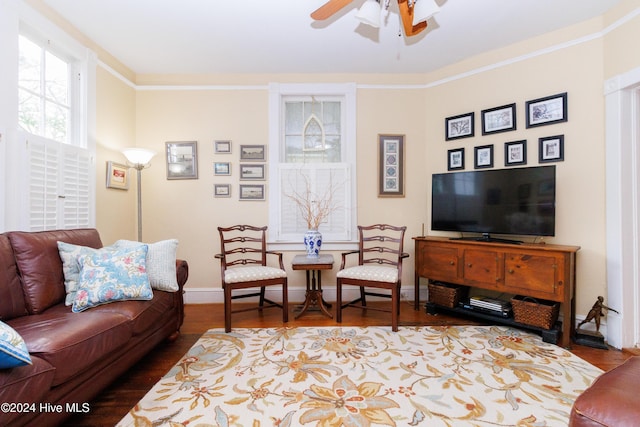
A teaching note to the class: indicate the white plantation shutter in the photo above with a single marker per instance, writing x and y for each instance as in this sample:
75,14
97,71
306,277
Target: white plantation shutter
76,201
59,185
43,184
322,177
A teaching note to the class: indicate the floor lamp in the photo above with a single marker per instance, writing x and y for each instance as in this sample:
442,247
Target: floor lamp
139,158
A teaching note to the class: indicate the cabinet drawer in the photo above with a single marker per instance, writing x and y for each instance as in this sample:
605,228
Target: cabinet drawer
534,275
438,263
482,267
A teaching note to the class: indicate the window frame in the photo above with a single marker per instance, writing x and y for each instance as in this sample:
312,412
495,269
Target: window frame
23,20
76,58
277,93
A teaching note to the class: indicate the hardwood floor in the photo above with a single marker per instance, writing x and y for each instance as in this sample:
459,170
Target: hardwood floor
124,393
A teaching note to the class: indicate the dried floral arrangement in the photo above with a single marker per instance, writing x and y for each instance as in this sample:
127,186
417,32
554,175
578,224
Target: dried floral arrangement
314,207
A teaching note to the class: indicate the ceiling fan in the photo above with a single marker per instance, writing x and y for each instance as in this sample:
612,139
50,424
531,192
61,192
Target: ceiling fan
414,13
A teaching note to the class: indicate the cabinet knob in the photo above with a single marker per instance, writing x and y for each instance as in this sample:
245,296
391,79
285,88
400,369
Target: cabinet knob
469,265
511,271
452,263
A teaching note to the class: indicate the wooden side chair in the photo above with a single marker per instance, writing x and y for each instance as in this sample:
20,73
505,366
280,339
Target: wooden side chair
244,265
380,254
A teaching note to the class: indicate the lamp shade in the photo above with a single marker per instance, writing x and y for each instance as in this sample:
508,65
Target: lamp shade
423,10
369,13
138,156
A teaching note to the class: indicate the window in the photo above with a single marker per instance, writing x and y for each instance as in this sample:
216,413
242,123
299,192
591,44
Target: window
312,153
56,184
44,92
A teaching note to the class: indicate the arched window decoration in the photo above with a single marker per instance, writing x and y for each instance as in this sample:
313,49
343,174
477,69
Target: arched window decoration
313,134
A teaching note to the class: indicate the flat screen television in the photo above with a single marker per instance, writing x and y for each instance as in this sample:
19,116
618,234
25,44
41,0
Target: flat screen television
514,201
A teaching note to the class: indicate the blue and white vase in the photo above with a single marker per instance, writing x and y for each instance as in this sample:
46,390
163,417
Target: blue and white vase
312,242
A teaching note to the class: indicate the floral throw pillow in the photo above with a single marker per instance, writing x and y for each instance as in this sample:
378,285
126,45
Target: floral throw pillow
161,262
108,276
71,268
13,351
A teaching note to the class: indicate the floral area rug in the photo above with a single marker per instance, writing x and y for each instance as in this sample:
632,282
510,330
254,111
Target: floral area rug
368,376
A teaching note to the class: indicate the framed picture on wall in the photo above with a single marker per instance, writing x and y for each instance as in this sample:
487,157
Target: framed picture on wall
222,147
515,153
551,149
222,190
222,168
499,119
547,111
117,176
391,165
252,153
461,126
483,157
455,159
252,192
250,172
182,160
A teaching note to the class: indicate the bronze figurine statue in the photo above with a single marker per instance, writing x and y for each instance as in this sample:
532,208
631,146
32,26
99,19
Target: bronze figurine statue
596,313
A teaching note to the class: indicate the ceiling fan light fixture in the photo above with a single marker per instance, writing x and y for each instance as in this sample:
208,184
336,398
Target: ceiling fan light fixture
423,10
369,13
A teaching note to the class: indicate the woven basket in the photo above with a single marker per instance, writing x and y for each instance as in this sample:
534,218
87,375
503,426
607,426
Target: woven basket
533,312
445,294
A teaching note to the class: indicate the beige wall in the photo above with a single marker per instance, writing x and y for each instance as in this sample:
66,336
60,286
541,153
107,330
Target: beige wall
187,210
621,52
115,129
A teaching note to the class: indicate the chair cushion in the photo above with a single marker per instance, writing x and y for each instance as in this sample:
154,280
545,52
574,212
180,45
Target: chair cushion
373,273
249,274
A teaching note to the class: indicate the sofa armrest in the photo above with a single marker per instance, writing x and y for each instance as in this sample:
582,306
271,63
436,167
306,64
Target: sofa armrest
182,272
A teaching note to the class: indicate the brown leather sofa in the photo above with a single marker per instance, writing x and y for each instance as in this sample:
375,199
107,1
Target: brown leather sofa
74,355
612,400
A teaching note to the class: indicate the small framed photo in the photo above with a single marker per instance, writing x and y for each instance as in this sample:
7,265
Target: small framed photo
483,157
547,111
222,190
455,159
252,153
250,172
117,176
551,149
391,165
222,147
252,192
182,160
461,126
515,153
222,168
499,119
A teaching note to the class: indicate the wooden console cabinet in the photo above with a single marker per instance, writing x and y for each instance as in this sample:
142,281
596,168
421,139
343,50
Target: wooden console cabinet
537,270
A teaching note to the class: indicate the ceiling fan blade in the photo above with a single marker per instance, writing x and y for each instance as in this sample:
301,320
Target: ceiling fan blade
328,9
406,14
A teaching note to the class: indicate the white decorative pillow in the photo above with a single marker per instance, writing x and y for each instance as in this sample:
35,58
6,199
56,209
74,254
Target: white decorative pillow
161,262
109,276
71,268
13,351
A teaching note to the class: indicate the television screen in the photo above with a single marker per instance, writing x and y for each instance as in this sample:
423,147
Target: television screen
517,201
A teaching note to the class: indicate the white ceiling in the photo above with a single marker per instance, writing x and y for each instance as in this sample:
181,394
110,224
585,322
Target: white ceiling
279,36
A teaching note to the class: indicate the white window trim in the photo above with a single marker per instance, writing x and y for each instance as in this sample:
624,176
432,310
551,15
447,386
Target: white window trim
276,92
